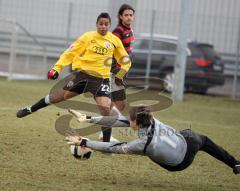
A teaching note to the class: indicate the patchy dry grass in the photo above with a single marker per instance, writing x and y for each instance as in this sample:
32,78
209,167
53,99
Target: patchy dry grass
33,156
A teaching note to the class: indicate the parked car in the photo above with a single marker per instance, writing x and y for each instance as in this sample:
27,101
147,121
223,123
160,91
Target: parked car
204,67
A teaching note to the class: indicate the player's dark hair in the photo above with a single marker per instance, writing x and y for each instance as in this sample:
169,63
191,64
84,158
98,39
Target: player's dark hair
142,115
104,15
122,9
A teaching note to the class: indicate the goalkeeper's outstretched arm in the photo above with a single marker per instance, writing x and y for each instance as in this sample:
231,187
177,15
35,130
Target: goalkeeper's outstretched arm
109,121
133,147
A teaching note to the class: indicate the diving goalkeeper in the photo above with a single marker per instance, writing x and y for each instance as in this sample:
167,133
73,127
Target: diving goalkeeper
171,149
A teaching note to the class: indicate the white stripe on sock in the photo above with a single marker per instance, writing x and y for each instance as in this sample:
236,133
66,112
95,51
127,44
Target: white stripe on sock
47,100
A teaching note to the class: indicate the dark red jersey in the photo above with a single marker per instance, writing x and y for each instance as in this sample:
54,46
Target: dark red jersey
125,34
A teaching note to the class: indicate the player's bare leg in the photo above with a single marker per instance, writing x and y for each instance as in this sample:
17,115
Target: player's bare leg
105,135
120,105
104,105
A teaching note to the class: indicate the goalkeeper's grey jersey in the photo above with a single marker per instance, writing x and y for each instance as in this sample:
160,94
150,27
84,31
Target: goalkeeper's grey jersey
167,145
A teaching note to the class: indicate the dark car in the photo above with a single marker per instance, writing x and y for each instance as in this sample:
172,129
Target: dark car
204,67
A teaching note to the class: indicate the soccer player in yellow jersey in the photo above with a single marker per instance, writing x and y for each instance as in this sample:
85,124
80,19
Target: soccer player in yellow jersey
91,57
118,93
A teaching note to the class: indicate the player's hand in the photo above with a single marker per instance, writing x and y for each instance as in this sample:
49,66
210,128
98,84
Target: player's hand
80,117
73,140
52,74
119,82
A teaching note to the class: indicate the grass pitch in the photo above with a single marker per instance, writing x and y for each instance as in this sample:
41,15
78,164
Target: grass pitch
33,156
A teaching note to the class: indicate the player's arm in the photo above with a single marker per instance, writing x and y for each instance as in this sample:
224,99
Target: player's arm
122,58
109,121
133,147
76,49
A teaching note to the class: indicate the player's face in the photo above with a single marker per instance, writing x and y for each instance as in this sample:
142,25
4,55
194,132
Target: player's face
127,17
103,25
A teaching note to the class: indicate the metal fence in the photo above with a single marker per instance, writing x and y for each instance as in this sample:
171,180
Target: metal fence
22,55
55,23
213,21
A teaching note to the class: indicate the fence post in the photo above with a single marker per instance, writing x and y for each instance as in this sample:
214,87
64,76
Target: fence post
69,24
234,87
149,58
12,58
180,62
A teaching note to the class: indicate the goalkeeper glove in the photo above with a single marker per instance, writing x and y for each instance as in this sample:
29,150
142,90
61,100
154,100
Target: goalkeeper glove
76,140
80,117
52,74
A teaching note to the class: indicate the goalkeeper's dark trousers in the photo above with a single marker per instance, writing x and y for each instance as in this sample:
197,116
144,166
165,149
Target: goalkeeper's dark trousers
107,131
197,142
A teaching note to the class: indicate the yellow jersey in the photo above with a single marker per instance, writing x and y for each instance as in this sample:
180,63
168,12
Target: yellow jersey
92,53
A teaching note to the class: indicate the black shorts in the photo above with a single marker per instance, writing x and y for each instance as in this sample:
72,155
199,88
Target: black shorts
119,95
82,83
118,92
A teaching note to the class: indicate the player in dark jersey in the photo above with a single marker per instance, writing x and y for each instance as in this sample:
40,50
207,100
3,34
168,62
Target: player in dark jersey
125,33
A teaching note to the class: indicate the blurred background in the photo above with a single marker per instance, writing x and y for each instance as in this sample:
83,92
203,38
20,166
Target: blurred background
34,33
